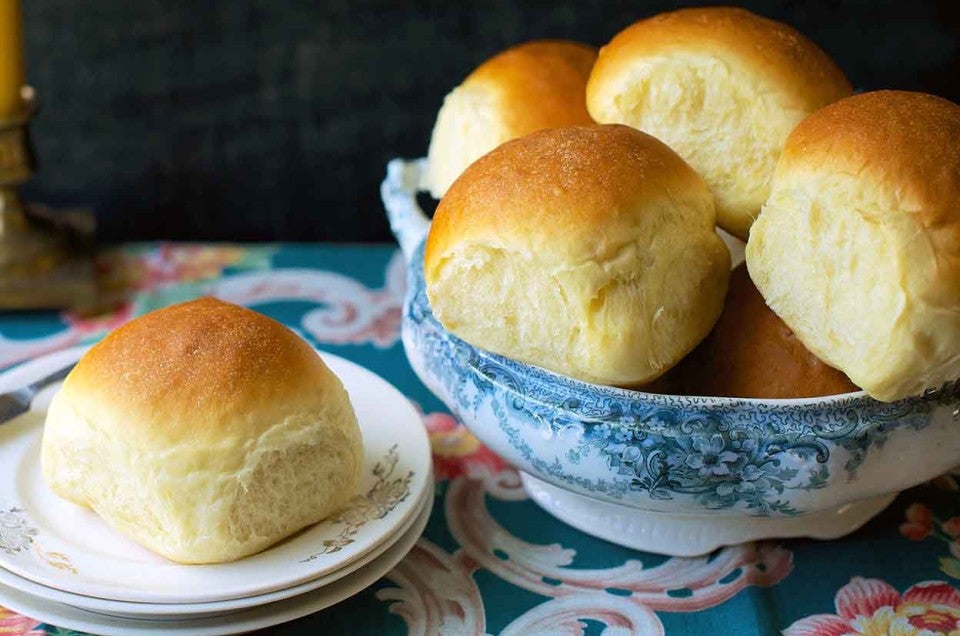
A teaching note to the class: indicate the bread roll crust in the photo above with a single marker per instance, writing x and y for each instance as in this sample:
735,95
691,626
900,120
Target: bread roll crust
185,430
751,353
540,83
905,144
549,188
219,359
804,77
858,246
722,87
529,87
590,251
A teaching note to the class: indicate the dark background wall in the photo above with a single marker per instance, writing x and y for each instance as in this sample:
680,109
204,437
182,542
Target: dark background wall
273,119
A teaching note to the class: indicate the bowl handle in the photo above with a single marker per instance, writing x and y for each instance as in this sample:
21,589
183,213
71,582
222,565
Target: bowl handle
399,193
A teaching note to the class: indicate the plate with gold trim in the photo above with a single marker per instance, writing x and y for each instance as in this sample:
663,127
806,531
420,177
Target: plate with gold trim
57,544
240,622
194,611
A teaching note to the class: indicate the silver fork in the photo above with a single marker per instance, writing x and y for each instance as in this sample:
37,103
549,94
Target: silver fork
16,403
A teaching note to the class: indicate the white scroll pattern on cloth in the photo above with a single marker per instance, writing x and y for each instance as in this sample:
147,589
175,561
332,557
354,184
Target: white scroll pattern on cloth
436,593
576,593
350,312
562,616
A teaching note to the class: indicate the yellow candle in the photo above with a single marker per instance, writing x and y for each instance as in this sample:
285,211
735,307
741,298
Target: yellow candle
11,57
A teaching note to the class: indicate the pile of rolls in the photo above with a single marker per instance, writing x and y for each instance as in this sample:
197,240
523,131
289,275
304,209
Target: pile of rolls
589,202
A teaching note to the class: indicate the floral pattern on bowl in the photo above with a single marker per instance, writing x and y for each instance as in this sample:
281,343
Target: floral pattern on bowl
669,453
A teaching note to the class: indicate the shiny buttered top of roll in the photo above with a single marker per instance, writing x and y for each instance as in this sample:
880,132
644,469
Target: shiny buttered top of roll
751,353
204,431
529,87
722,87
858,246
589,251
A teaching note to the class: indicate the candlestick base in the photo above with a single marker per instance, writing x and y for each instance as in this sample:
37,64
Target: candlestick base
46,259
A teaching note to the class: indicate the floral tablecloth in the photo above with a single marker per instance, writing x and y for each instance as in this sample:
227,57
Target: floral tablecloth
490,561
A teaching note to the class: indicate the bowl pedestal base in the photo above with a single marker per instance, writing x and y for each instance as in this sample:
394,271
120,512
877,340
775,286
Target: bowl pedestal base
679,534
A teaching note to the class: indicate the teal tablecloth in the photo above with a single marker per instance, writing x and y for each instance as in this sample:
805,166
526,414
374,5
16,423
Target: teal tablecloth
898,575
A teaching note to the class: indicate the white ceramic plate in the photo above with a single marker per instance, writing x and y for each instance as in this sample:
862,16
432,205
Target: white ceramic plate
238,622
183,611
56,544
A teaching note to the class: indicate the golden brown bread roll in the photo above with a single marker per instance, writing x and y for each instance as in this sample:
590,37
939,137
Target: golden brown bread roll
722,87
858,246
751,353
203,431
526,88
590,251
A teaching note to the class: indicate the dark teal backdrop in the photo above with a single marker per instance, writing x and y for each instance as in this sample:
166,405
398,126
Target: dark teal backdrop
273,119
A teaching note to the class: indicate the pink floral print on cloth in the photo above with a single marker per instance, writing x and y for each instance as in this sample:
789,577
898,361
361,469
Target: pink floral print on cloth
138,279
457,452
15,625
920,523
135,280
871,607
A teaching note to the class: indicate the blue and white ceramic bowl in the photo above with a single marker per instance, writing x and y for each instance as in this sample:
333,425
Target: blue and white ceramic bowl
667,473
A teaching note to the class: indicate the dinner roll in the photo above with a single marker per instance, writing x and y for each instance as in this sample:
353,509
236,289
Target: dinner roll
204,431
751,353
526,88
721,86
589,251
858,246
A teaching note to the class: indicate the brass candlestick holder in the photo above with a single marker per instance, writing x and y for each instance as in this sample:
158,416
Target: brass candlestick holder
46,259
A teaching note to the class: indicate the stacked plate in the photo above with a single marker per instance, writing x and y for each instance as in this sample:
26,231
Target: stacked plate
61,564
